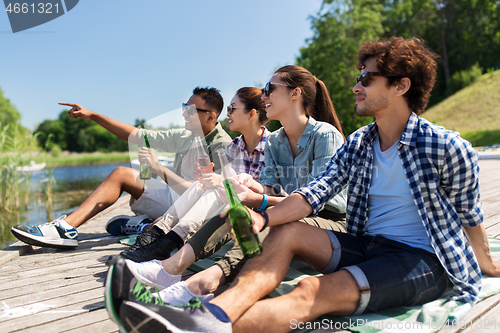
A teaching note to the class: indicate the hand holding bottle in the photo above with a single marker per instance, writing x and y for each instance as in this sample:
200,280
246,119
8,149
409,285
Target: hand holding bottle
210,180
148,157
240,218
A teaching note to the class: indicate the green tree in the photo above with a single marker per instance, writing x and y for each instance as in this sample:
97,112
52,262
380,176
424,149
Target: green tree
78,135
331,53
462,32
9,119
51,133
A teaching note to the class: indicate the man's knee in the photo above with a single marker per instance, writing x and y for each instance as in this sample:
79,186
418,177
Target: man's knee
121,171
307,289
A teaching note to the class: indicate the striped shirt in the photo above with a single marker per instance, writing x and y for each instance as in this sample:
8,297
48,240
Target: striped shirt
442,171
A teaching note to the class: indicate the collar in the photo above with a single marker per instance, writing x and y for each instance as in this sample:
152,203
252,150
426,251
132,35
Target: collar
240,143
311,123
211,135
409,136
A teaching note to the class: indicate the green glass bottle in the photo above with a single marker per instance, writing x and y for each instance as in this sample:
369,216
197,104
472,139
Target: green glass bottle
240,218
145,172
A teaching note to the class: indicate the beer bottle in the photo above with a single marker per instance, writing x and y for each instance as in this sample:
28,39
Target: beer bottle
240,218
203,159
145,172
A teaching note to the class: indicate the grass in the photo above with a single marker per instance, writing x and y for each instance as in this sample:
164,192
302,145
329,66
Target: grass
69,159
473,111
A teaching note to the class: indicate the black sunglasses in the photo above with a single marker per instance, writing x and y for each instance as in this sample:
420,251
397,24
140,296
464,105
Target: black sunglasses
230,109
268,89
192,109
366,77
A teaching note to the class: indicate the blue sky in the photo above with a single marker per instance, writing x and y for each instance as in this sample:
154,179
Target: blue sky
133,59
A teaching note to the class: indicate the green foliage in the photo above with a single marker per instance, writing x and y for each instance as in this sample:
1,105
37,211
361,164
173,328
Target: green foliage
462,32
482,138
331,53
272,125
77,135
9,120
140,123
462,79
225,125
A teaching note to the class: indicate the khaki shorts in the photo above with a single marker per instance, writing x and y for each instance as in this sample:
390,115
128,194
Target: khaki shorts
155,200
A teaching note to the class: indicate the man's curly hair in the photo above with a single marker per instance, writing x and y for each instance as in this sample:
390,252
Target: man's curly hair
400,57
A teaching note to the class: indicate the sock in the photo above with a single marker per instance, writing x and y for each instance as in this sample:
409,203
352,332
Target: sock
218,312
65,225
157,230
172,235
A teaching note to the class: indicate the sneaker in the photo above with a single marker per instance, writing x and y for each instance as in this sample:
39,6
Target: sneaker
145,238
127,225
121,285
193,317
50,234
178,294
152,273
160,249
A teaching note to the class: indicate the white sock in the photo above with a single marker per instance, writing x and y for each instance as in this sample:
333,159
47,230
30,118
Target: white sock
179,294
65,224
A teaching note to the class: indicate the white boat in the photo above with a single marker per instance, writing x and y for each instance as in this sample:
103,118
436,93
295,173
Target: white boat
166,161
32,167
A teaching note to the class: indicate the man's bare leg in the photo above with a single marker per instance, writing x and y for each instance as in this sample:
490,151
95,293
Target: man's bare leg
106,194
262,274
336,294
206,281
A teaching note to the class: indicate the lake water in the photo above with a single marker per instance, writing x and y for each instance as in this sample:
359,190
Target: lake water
73,185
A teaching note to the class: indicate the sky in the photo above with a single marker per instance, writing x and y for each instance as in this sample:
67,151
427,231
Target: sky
137,59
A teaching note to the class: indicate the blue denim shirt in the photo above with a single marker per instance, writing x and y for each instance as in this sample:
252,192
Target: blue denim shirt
442,171
316,146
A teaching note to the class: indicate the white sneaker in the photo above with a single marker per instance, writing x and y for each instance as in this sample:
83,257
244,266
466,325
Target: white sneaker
50,234
178,294
152,273
127,225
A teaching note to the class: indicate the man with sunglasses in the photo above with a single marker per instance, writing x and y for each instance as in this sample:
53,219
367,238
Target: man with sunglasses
413,197
150,198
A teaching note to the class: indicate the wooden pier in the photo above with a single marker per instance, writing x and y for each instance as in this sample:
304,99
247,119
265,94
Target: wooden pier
47,290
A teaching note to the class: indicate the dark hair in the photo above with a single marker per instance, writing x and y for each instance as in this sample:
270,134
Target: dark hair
401,57
315,96
211,96
251,98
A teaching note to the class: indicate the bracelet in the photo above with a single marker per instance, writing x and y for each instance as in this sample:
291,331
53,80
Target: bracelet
264,202
263,213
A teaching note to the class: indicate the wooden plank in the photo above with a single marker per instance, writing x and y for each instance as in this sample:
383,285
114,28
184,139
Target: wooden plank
70,274
68,323
32,262
474,314
488,322
105,326
93,301
56,296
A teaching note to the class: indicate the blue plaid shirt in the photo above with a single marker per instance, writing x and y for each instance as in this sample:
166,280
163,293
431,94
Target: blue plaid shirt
442,171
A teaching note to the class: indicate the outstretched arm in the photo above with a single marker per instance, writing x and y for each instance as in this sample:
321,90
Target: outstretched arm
121,130
478,239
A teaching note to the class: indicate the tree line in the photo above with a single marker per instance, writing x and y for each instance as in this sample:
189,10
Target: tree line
465,33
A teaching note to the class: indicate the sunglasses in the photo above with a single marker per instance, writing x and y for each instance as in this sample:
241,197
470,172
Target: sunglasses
192,109
268,89
366,77
230,109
